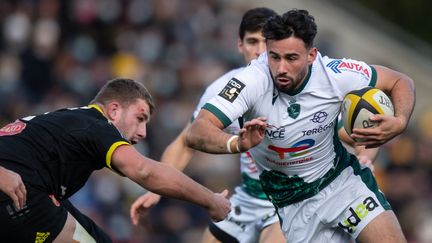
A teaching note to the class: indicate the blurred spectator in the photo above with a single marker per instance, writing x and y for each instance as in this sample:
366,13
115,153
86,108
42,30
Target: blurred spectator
56,54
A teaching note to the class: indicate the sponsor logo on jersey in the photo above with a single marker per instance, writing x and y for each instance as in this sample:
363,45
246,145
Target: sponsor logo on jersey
291,162
298,149
15,213
319,117
357,214
319,129
231,90
339,66
12,128
274,132
41,236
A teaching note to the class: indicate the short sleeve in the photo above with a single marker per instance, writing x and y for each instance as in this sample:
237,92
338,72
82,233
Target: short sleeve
350,74
239,94
214,89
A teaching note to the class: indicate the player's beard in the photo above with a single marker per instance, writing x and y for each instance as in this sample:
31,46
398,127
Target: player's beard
291,85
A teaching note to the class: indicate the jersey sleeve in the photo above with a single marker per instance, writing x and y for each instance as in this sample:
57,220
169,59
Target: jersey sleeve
213,90
238,95
350,74
103,139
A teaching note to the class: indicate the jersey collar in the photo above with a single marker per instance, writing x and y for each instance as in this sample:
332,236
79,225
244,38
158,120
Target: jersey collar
96,107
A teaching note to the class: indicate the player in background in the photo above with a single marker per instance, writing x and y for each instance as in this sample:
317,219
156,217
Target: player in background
321,192
55,153
252,218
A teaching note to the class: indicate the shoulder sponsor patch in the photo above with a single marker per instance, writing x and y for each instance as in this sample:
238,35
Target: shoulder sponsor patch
12,128
232,89
339,66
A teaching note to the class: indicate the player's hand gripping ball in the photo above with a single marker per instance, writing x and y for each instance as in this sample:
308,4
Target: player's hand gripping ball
359,105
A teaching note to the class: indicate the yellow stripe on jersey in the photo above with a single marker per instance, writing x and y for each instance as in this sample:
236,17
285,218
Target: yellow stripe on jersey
111,151
369,97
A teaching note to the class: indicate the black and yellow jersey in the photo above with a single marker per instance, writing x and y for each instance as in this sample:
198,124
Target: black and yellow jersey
57,151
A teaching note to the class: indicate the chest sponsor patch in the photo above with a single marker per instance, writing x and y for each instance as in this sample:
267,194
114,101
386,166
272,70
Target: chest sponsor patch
231,90
12,128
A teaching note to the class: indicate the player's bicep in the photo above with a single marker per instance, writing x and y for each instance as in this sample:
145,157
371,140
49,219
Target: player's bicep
386,78
127,160
209,117
205,133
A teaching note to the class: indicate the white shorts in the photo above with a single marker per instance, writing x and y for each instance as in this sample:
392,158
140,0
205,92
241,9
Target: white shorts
248,217
338,213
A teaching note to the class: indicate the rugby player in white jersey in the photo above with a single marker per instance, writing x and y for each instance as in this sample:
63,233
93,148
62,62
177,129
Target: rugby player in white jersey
290,98
253,217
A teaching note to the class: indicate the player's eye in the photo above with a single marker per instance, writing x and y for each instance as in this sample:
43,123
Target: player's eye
291,57
252,42
275,57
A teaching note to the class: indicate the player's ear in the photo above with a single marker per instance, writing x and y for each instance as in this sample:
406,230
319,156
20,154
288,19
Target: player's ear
240,45
312,55
113,110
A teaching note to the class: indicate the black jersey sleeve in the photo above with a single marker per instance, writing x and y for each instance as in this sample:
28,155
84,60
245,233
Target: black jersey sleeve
104,139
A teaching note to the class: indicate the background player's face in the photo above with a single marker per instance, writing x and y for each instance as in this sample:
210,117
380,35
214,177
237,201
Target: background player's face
252,45
289,60
132,121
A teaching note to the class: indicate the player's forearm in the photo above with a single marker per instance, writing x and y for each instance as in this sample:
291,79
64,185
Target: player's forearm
204,136
403,98
167,181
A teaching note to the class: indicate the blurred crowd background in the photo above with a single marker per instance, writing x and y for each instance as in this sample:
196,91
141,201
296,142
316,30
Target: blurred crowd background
56,54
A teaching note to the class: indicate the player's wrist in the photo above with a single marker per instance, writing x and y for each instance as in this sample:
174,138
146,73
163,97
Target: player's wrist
232,144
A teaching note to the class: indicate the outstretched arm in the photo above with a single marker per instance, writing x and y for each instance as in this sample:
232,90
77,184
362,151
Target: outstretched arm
167,181
178,155
401,89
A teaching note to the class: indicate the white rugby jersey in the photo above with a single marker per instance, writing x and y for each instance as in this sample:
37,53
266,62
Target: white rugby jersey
299,140
248,169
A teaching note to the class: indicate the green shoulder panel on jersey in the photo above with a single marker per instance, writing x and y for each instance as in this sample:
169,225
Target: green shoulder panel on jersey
373,80
218,113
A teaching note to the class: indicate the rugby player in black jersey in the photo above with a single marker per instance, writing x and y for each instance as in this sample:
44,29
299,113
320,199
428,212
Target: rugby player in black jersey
56,152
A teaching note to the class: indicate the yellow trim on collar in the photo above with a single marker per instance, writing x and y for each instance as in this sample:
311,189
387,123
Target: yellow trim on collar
111,151
97,108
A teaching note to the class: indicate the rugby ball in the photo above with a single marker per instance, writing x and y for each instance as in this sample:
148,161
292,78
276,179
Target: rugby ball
359,105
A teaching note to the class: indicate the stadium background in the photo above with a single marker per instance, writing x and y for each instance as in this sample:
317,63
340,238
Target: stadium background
57,54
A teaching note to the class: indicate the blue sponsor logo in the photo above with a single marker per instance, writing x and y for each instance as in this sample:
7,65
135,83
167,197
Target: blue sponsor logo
333,65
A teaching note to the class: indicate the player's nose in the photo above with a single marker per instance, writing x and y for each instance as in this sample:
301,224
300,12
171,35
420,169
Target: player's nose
261,48
142,131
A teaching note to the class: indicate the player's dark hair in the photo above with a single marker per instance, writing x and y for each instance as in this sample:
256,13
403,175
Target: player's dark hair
125,91
254,19
296,22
